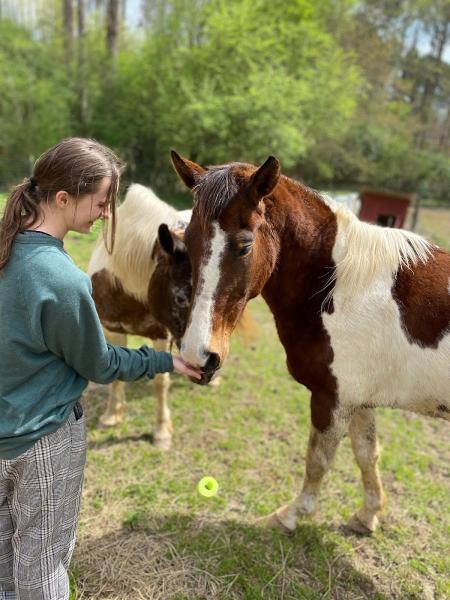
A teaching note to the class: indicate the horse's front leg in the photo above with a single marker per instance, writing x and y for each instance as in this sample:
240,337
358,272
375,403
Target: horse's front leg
322,446
115,408
162,434
363,435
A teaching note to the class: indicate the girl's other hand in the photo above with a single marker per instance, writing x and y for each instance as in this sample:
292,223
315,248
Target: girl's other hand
180,366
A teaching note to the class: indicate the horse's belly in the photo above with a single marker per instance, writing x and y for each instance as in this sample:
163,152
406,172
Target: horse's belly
376,364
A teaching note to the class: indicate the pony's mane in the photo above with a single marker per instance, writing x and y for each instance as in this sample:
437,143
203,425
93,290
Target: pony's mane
214,191
363,250
138,219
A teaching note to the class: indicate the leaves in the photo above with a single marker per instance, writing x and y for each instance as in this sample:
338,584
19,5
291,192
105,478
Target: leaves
339,91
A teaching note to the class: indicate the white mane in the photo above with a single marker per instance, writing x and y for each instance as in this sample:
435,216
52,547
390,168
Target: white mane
138,219
363,250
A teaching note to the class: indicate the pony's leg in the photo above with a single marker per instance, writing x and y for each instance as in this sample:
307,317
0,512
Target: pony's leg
322,446
363,435
115,408
162,434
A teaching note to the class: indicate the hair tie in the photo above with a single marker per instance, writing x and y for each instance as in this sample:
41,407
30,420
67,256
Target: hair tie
33,183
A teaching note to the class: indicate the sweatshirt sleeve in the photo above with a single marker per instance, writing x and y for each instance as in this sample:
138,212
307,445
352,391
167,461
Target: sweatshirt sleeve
63,315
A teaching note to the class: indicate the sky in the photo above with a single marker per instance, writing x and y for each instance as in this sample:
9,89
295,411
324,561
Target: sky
133,12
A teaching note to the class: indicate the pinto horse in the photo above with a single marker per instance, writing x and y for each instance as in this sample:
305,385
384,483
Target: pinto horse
143,288
363,312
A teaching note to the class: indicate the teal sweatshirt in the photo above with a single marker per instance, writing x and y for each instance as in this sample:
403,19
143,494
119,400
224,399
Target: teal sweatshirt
52,343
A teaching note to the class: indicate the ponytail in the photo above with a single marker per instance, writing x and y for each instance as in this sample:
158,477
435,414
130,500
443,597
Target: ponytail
20,211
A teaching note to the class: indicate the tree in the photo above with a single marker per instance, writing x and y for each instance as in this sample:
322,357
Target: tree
68,26
112,27
35,103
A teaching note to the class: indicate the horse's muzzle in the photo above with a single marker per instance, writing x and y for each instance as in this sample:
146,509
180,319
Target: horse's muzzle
209,369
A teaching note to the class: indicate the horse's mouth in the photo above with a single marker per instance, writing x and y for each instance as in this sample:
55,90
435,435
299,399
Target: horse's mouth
205,379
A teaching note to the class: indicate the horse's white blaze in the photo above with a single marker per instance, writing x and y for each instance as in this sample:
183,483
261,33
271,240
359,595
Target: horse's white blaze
374,361
196,340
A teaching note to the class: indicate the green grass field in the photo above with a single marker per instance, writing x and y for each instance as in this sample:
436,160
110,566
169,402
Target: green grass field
146,534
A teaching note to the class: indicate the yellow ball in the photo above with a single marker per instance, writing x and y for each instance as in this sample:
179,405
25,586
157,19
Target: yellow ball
207,487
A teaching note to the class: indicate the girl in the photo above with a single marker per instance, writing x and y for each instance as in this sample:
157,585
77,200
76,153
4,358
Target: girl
52,344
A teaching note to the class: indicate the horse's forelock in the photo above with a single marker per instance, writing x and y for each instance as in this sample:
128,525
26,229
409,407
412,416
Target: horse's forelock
214,191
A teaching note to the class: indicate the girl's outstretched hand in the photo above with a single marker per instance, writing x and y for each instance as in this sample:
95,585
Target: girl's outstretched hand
180,366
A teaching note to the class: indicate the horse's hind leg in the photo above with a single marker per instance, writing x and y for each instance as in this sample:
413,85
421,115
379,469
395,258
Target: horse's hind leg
162,434
115,408
363,435
322,448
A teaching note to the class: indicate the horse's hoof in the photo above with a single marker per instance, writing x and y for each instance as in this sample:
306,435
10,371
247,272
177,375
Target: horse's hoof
356,525
110,420
162,443
273,521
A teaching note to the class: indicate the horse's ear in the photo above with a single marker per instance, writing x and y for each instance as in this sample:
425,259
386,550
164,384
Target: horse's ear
188,171
264,180
165,239
170,243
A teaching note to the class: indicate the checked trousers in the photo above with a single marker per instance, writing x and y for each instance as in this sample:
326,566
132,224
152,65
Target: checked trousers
39,507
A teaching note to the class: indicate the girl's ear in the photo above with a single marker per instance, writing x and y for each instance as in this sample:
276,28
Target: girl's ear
62,199
188,171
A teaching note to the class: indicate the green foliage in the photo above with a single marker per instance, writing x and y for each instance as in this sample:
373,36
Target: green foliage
35,100
256,79
337,90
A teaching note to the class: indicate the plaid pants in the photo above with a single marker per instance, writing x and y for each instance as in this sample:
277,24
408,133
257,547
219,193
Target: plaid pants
39,507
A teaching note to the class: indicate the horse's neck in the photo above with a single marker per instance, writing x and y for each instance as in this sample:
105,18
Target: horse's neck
302,230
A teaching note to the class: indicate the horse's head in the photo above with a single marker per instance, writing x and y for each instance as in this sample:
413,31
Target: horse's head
170,287
231,250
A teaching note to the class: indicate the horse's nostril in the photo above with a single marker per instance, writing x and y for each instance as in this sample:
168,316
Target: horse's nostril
212,363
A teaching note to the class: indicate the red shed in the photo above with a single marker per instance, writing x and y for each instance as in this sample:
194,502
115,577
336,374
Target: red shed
384,208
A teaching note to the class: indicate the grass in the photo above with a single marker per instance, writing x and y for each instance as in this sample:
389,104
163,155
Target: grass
145,533
434,224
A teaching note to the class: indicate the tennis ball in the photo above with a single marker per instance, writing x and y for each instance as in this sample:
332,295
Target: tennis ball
207,487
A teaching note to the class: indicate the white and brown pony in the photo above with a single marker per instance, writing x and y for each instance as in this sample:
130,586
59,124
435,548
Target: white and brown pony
363,312
143,288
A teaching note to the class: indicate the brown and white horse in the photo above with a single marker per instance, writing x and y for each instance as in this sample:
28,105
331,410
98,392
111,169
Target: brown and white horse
363,312
143,288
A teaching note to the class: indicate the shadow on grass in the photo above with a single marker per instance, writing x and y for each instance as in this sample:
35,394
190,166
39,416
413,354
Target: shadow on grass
180,557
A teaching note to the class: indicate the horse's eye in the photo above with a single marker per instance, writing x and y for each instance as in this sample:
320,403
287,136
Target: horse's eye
181,299
245,250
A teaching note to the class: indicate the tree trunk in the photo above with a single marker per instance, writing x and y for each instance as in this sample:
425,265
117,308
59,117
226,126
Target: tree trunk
68,26
82,88
112,27
439,41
